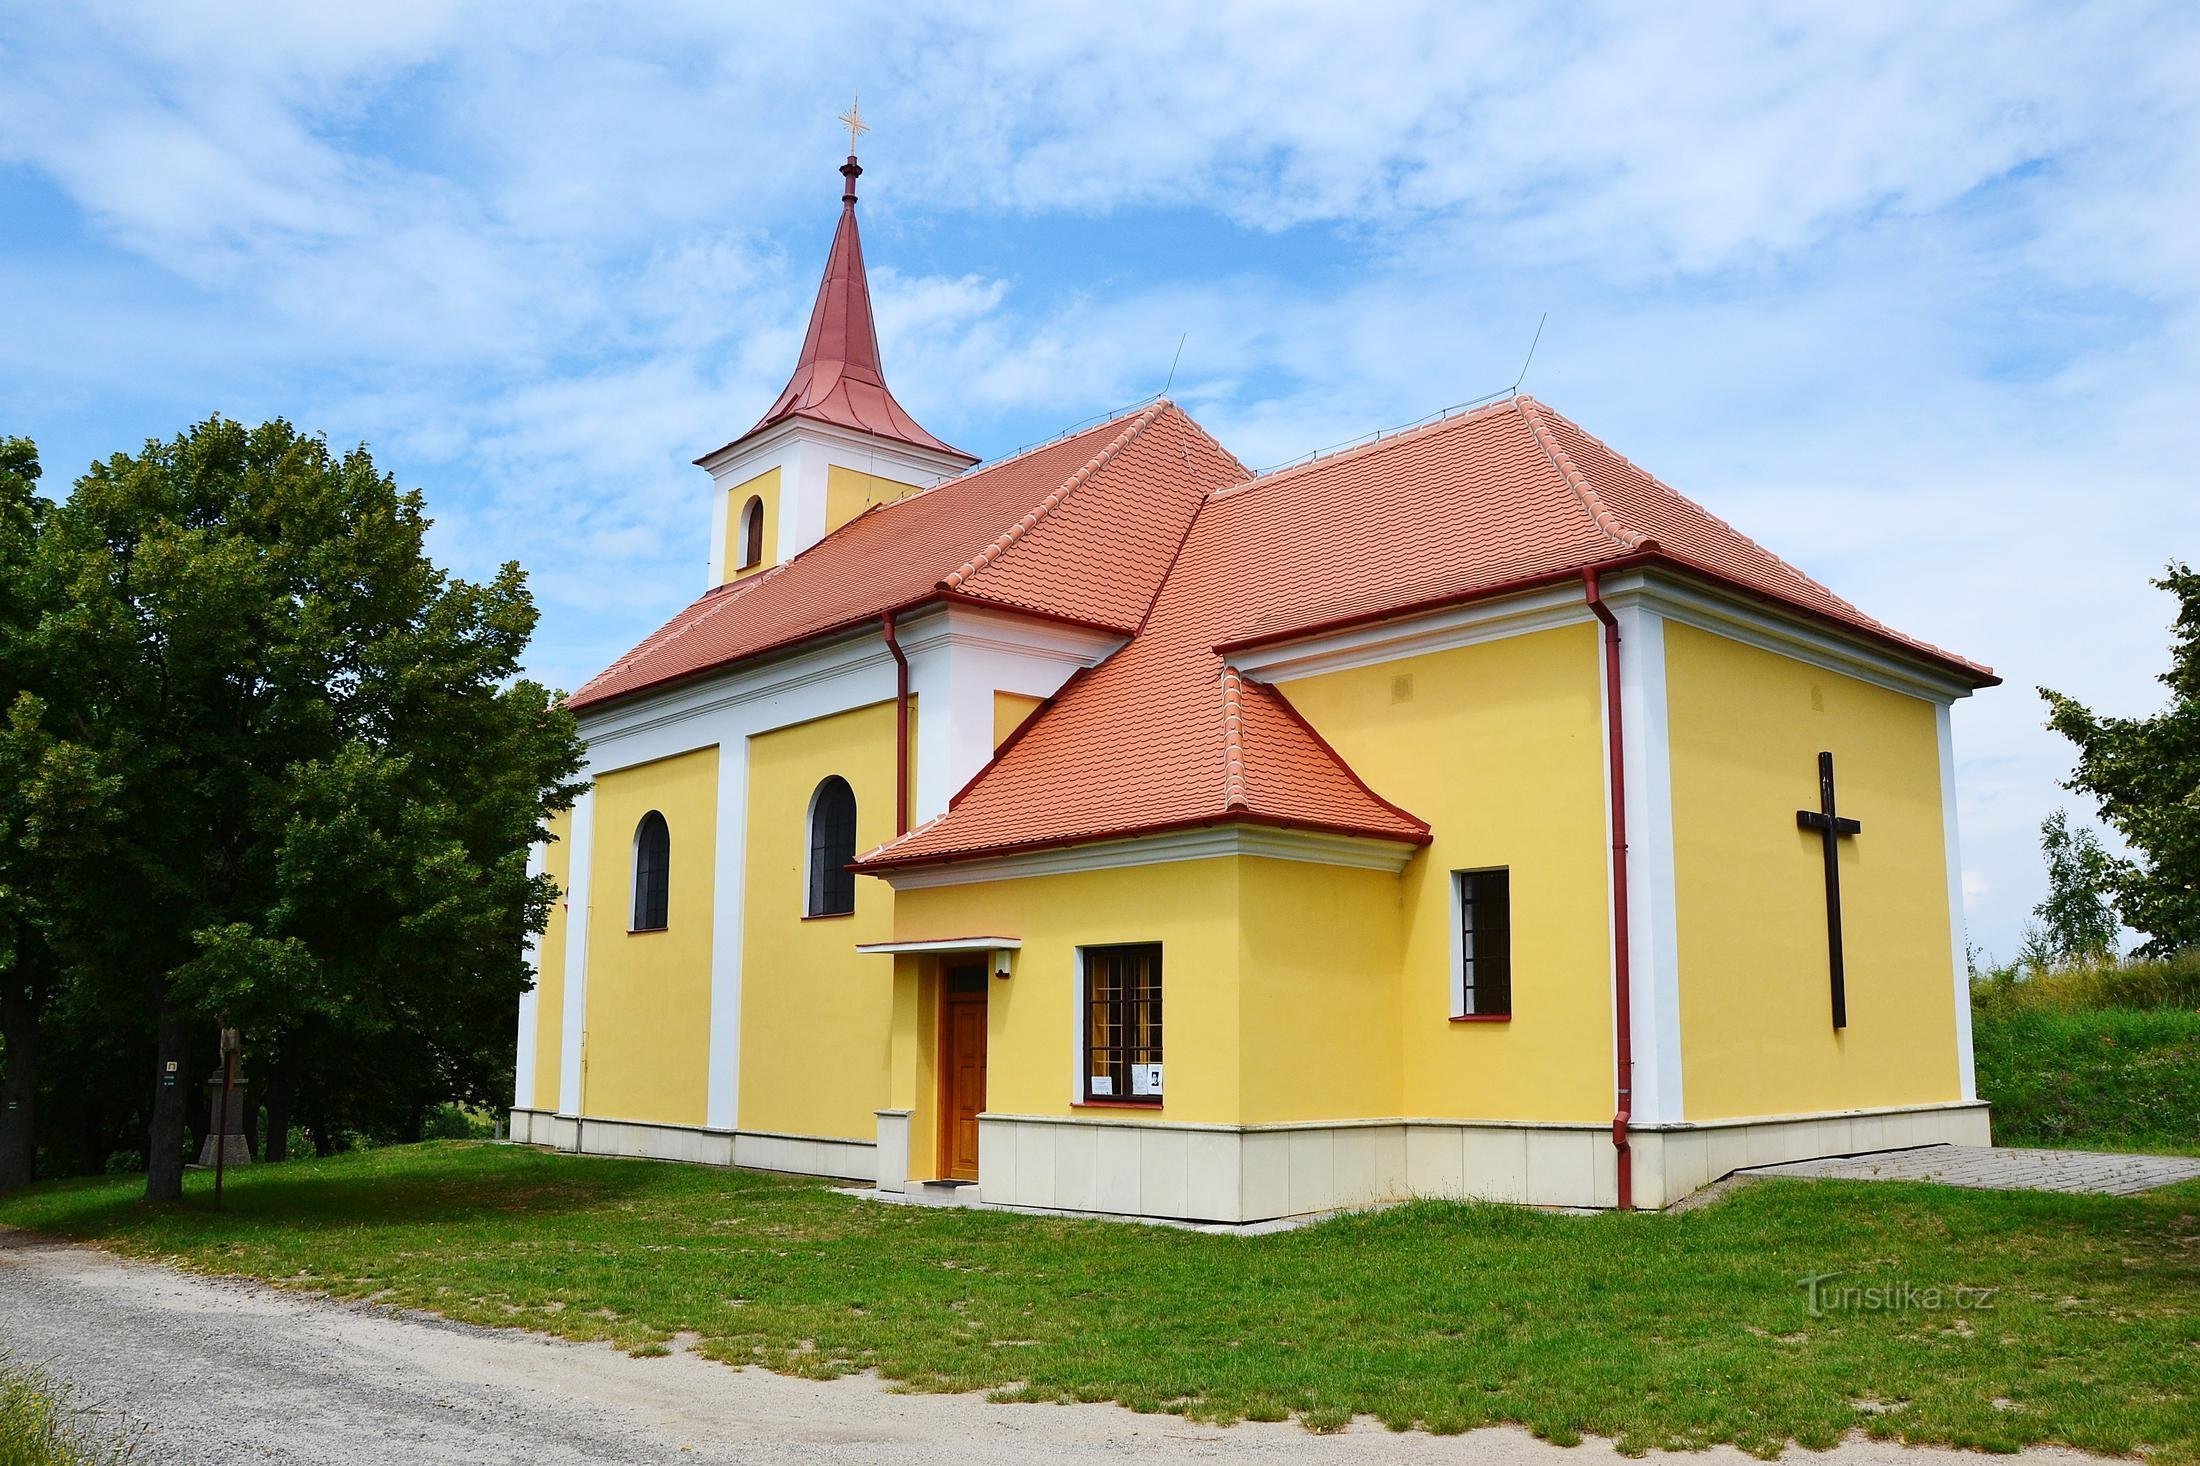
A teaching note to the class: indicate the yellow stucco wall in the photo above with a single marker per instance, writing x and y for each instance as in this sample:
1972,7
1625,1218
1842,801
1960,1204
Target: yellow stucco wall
646,1042
848,492
1500,747
550,966
1746,728
764,486
815,1015
1033,1050
1009,711
1319,992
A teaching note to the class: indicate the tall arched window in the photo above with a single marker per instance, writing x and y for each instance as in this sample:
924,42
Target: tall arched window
752,533
652,873
832,846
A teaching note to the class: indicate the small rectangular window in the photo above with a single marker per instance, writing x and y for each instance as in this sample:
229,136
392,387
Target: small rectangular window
1123,1024
1485,980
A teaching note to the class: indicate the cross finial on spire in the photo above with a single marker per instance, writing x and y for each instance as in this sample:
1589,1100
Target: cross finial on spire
852,119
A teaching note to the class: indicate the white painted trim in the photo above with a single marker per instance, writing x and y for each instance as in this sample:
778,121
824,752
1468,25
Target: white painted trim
1208,842
1959,958
575,1018
728,912
1415,635
1676,596
943,944
523,1059
1653,902
959,656
851,671
1754,623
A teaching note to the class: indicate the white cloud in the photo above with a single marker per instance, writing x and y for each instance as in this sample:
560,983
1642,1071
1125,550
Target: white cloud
1912,295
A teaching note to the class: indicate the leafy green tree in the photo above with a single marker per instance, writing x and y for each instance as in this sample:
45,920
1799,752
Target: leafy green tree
2077,920
2145,775
328,769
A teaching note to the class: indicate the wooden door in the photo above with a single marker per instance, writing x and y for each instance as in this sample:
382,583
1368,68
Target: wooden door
962,1070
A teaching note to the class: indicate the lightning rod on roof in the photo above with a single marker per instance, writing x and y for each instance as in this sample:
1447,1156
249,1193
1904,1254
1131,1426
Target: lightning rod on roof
1531,353
1165,386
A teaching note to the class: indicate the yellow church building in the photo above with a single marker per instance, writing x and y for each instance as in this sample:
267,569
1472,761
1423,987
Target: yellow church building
1110,829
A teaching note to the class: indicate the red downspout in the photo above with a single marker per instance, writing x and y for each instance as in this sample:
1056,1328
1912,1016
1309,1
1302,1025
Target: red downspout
1623,1047
901,729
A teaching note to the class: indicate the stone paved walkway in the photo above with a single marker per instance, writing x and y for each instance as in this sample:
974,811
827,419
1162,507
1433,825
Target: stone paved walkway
1992,1168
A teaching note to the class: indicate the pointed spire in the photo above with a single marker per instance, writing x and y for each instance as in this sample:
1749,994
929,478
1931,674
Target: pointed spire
838,378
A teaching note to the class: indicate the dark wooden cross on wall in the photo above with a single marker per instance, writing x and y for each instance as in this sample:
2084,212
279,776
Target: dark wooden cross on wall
1831,827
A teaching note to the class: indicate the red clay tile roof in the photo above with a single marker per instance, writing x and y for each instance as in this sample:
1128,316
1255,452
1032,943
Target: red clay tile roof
1165,734
1078,530
838,378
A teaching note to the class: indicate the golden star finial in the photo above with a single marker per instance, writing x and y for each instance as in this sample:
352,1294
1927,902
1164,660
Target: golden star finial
852,119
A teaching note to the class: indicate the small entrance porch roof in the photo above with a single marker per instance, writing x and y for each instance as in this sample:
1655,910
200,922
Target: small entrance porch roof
946,944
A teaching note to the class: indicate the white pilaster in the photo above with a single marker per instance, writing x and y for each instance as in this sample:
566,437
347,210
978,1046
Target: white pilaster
1652,942
577,900
958,658
1959,959
523,1059
722,1102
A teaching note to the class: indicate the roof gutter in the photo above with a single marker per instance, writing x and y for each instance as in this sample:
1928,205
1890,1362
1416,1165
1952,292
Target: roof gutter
1623,1016
901,729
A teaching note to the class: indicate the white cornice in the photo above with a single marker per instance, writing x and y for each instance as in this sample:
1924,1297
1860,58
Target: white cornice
1674,596
1206,843
856,651
929,465
1414,634
1752,622
1005,630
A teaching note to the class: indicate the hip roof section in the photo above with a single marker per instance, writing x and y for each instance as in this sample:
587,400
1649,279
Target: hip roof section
1165,734
1078,530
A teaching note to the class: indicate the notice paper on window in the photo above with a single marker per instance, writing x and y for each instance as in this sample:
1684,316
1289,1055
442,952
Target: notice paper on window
1103,1084
1145,1079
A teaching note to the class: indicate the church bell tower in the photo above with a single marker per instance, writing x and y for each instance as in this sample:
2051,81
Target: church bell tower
835,442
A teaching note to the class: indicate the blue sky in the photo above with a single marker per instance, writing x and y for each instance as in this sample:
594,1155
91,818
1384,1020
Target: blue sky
1907,293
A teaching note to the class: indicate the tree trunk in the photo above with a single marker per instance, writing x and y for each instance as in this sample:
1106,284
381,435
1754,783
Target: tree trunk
324,1141
415,1114
18,1087
277,1147
164,1136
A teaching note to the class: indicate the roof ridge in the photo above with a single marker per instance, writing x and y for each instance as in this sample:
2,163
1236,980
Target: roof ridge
1769,553
1233,742
1408,435
955,579
1530,410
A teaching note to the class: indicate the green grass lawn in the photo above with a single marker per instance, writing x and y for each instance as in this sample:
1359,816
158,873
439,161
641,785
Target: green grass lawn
1658,1330
2102,1058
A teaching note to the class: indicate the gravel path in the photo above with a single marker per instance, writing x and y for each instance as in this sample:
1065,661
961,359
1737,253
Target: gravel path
209,1370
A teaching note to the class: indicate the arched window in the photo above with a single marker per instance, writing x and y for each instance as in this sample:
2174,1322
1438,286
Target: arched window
832,846
752,533
652,873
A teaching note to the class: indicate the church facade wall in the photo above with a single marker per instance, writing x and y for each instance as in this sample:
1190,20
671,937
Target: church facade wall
545,1018
1034,1041
1746,726
1499,746
814,1012
645,1037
